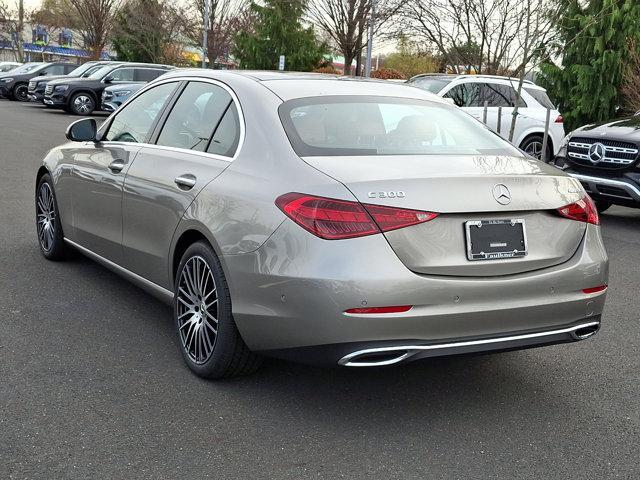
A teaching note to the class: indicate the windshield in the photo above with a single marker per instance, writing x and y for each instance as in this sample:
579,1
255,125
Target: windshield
101,72
348,125
80,69
28,67
431,84
91,70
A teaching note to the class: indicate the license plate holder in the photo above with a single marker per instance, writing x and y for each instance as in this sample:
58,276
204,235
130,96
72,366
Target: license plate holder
495,239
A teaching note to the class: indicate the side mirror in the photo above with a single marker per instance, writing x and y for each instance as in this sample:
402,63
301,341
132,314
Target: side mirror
449,100
108,79
83,130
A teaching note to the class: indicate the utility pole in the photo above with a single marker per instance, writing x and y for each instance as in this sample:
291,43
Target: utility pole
367,68
19,30
205,32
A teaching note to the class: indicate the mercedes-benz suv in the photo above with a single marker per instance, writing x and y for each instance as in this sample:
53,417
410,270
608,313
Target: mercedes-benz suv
604,157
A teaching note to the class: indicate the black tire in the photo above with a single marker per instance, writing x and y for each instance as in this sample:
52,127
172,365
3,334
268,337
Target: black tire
194,315
533,146
82,103
21,92
602,206
48,226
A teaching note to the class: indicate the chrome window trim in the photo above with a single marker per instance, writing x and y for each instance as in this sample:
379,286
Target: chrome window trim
218,83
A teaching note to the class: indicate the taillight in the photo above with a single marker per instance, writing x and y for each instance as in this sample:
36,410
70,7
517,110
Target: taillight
334,219
583,210
559,119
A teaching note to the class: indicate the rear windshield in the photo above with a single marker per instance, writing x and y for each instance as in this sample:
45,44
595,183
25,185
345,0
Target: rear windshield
431,84
541,97
363,125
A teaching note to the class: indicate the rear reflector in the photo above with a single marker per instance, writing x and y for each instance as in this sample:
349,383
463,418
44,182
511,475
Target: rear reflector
583,210
334,219
559,119
601,288
370,310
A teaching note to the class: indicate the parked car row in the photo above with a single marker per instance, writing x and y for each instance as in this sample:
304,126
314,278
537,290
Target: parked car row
473,92
78,89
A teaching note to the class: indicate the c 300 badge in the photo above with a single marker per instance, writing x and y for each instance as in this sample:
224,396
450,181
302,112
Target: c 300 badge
398,194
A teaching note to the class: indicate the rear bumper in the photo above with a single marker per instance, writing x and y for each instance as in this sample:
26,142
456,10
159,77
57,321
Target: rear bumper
293,291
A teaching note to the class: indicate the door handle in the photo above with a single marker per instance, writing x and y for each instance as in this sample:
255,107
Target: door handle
186,182
116,166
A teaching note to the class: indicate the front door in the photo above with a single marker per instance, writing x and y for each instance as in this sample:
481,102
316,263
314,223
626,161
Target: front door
99,171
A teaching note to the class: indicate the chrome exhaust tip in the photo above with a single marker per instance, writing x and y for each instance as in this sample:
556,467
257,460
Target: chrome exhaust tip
586,332
376,357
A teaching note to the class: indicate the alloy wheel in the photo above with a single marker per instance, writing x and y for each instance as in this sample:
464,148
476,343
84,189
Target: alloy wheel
46,214
83,104
534,149
21,93
197,311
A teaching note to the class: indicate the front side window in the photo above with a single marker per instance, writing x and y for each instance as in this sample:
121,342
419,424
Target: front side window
134,121
366,125
465,95
122,75
195,116
55,70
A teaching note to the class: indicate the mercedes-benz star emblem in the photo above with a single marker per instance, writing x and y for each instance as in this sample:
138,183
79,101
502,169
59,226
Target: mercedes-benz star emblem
596,152
502,194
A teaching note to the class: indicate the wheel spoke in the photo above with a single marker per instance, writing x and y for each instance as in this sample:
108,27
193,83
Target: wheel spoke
212,317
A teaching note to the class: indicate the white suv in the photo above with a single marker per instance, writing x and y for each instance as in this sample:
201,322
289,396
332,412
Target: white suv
470,92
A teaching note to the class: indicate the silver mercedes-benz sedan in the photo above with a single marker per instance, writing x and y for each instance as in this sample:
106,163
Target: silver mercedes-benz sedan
325,220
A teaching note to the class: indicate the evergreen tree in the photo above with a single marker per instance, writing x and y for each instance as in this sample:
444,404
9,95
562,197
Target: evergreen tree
278,30
593,44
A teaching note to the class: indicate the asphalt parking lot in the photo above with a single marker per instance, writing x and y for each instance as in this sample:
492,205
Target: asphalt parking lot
92,384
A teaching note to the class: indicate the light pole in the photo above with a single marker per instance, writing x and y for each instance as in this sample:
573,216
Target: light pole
367,68
205,32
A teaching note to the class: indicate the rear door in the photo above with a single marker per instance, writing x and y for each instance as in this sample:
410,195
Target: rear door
99,171
194,144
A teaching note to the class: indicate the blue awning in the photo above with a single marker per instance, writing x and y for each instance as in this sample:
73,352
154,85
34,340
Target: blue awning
54,50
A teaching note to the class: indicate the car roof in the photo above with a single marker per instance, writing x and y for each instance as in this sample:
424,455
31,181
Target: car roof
290,85
473,78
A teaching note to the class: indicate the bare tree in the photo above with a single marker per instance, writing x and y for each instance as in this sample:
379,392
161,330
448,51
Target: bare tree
478,33
12,26
345,22
226,17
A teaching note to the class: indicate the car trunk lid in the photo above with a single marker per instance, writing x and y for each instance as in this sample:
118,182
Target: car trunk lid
463,189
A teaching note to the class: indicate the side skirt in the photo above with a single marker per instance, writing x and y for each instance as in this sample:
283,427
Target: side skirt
154,289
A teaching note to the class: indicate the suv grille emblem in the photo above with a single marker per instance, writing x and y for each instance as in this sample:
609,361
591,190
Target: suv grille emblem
596,152
502,194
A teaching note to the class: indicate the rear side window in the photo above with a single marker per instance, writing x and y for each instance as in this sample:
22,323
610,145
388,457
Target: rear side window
465,95
371,125
133,122
195,117
541,97
147,74
227,136
497,95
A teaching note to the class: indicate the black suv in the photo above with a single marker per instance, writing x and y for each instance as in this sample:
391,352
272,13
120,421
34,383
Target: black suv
38,84
604,158
82,95
14,84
